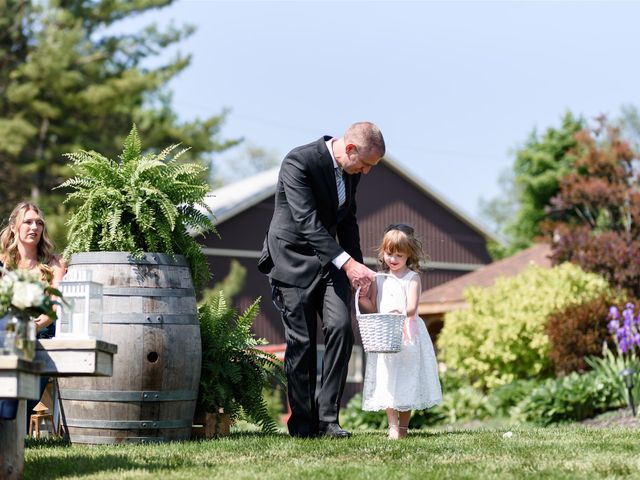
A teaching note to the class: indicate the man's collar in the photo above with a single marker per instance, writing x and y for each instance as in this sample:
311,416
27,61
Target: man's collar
330,148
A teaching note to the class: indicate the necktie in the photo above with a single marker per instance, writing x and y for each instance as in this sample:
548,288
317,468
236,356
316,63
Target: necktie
340,186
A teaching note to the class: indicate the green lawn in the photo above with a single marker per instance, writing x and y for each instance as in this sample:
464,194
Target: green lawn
560,452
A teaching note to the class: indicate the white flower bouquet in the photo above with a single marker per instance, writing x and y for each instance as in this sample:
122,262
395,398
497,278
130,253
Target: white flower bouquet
23,297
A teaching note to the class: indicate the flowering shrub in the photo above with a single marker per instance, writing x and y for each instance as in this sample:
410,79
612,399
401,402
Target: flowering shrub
626,333
23,294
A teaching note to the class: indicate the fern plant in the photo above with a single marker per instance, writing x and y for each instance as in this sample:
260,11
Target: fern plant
139,203
234,371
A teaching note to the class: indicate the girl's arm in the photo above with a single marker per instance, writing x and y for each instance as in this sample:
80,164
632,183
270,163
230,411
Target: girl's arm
59,268
413,296
367,301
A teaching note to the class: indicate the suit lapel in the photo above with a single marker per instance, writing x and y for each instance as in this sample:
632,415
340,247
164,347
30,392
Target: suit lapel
329,173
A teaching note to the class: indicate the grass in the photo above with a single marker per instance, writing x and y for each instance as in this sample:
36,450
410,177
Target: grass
558,453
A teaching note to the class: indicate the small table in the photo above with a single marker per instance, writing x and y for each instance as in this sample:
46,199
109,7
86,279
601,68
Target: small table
20,379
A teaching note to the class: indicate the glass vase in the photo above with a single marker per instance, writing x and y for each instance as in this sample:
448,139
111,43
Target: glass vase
19,336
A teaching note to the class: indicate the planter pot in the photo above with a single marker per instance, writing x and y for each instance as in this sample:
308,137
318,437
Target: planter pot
210,425
150,313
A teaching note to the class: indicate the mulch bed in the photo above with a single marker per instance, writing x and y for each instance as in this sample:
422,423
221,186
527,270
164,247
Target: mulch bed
615,418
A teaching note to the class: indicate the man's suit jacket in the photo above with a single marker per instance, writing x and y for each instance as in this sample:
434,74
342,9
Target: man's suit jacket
301,240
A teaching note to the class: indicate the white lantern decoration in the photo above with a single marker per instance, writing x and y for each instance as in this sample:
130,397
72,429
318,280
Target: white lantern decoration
81,317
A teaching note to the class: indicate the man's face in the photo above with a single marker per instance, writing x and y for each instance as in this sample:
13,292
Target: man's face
359,162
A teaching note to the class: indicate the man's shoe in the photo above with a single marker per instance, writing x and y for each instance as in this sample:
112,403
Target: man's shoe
332,430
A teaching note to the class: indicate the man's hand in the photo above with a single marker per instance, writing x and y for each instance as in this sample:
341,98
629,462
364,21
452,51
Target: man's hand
359,275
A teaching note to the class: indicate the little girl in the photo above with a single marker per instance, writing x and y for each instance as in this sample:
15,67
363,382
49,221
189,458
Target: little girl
407,380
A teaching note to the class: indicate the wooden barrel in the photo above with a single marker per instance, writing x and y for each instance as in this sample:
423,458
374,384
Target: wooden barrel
150,313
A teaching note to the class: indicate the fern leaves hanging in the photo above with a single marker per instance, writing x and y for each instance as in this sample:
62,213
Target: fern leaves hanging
234,370
140,203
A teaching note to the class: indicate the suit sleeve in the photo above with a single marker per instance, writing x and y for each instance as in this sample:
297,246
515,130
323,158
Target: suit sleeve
304,209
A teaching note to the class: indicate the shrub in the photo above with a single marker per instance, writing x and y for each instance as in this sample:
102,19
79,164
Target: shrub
501,400
571,398
502,336
576,332
353,417
234,372
465,403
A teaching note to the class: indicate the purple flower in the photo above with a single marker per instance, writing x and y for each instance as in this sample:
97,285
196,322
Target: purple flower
624,346
626,333
613,326
614,313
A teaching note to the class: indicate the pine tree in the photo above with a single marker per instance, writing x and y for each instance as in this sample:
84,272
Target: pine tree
71,83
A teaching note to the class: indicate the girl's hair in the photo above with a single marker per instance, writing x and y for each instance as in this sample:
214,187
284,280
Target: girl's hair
399,237
9,241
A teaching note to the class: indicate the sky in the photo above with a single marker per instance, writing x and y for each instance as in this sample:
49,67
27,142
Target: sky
455,87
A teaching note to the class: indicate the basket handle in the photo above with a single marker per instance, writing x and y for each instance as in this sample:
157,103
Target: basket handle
404,308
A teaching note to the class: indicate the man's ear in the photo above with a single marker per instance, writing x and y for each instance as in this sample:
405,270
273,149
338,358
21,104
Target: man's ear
350,147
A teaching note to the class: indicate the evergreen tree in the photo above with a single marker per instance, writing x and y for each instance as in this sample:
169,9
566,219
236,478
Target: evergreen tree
537,169
70,83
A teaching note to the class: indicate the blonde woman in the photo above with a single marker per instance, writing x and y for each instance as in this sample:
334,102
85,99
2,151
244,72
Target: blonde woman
25,245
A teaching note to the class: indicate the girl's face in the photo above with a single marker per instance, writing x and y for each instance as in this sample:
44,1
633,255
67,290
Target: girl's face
30,230
396,261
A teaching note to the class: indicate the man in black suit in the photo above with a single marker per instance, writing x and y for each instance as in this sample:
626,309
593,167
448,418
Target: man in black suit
313,258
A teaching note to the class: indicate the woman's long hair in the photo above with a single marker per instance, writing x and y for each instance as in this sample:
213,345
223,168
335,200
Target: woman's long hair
9,241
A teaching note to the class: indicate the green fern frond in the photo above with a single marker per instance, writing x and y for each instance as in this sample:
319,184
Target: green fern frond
143,167
177,156
164,154
132,147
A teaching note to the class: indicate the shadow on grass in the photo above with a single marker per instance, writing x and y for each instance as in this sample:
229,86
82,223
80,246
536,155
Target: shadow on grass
80,465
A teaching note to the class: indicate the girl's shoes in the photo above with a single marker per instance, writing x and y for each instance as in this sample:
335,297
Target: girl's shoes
396,432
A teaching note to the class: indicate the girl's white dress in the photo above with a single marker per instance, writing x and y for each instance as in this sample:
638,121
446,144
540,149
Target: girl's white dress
407,380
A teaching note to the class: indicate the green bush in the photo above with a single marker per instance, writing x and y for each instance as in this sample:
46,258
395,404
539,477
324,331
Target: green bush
502,336
501,400
354,418
571,398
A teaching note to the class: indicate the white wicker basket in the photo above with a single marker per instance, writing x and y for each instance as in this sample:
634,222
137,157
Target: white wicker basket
381,332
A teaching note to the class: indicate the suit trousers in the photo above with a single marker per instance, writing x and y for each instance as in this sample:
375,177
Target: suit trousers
328,298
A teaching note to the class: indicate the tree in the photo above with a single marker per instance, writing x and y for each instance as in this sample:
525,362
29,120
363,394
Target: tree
70,83
250,161
537,169
595,217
